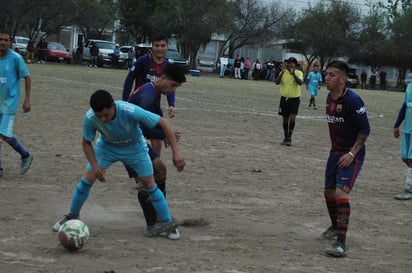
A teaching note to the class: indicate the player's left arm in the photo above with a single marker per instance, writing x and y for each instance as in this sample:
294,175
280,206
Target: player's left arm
178,159
26,103
171,99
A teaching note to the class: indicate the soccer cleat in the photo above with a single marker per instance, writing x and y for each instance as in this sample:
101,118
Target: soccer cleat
336,250
284,142
25,164
59,223
161,227
329,234
405,195
174,234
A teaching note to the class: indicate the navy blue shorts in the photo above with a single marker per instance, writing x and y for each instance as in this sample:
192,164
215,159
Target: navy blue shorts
342,178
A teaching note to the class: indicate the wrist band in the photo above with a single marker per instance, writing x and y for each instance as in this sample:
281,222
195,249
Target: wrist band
351,154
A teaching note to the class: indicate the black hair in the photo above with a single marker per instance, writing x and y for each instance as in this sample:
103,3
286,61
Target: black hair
5,31
100,100
342,66
160,37
175,73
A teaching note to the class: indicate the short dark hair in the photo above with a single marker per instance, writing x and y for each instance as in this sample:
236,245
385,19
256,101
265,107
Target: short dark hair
342,66
175,73
160,37
5,31
100,100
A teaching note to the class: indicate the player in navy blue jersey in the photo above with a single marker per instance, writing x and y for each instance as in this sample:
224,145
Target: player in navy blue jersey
348,129
148,97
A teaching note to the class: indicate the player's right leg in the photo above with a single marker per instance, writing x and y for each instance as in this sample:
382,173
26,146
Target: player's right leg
104,158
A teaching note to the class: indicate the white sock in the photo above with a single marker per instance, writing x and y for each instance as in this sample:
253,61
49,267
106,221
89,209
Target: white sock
408,184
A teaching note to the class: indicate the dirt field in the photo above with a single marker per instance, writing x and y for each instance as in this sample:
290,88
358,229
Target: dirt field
263,200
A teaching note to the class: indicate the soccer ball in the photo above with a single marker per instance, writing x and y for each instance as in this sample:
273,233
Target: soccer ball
73,234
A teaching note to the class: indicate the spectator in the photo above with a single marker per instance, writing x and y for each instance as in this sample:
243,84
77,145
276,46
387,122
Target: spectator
236,64
248,64
41,53
269,71
363,77
223,64
94,55
372,79
257,70
30,52
382,79
116,56
79,54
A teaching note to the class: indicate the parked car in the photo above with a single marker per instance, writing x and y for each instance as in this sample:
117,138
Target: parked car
353,78
124,54
174,57
105,51
57,52
20,45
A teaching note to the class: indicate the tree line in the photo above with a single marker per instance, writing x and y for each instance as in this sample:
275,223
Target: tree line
321,31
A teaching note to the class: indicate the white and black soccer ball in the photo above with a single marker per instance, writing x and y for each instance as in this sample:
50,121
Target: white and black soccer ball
73,234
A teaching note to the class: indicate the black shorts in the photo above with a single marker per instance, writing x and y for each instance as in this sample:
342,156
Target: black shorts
288,106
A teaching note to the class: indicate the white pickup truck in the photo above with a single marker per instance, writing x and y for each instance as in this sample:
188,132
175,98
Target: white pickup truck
105,51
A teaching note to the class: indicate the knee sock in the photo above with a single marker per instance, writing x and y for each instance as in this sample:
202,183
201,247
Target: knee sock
80,196
286,129
18,147
343,215
408,184
149,212
291,127
332,210
159,203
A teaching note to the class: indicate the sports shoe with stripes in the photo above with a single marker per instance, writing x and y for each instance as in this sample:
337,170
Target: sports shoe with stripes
59,223
329,234
336,250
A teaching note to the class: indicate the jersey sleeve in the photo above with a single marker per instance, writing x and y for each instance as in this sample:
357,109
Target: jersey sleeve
171,99
145,117
89,129
361,117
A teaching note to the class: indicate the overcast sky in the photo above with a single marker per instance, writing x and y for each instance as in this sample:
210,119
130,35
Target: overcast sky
297,4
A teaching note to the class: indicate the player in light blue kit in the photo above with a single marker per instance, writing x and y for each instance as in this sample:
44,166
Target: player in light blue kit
314,80
12,69
405,116
121,139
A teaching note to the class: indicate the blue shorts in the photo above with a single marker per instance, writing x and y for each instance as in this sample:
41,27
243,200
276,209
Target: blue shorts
406,147
342,178
136,157
152,154
6,124
313,92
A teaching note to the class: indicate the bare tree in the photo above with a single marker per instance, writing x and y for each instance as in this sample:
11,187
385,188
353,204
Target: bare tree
252,22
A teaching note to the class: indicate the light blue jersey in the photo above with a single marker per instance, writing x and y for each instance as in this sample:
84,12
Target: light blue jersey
314,80
124,129
12,69
407,122
121,139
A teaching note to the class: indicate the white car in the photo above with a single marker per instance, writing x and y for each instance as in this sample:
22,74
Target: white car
20,44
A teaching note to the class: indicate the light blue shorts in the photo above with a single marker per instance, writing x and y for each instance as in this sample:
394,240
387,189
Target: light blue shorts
6,124
136,157
313,92
406,146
